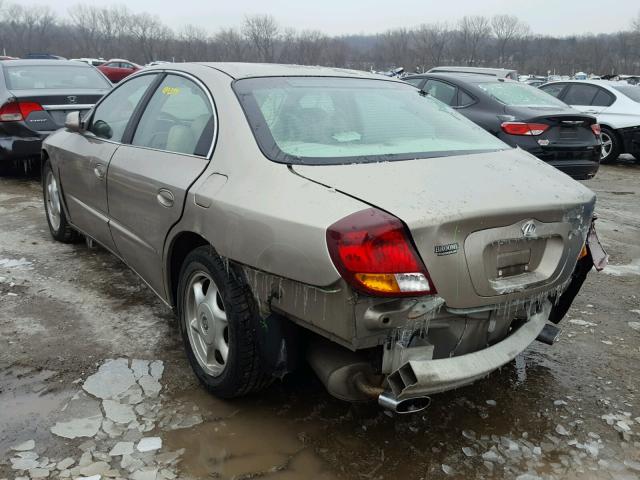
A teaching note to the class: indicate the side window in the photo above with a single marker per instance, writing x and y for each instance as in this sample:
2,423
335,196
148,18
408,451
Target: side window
110,118
553,89
602,99
442,91
580,94
178,118
464,99
416,82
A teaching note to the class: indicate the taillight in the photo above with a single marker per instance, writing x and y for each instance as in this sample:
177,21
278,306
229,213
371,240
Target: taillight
373,252
16,111
595,128
522,128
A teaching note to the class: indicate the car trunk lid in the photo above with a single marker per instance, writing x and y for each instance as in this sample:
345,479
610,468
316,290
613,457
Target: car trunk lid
566,129
56,105
491,228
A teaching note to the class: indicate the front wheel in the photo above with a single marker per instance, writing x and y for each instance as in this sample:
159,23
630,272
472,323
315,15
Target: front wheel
610,146
56,218
217,322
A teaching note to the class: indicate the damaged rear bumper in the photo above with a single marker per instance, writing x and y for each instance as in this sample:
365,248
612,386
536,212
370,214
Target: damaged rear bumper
425,377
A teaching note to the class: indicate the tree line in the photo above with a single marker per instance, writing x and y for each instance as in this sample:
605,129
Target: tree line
498,41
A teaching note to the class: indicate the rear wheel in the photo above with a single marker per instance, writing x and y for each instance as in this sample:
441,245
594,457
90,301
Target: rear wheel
217,322
56,218
610,146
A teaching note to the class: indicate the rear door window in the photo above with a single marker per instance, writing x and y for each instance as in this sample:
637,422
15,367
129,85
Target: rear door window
580,94
464,99
442,91
603,98
554,89
112,115
178,118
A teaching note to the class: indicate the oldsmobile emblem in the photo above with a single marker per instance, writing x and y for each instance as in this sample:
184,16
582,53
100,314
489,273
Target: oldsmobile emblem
529,229
72,99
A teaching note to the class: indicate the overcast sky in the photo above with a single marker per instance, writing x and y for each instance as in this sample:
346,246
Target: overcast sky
555,17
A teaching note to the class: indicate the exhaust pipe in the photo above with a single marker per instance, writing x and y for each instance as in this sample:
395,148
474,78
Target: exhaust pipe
549,335
407,405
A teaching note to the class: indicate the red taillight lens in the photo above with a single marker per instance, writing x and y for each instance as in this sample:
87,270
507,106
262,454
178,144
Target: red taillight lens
15,111
521,128
372,251
595,128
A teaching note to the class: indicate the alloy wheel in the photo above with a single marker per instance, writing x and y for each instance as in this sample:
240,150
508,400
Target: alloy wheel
53,201
607,145
206,323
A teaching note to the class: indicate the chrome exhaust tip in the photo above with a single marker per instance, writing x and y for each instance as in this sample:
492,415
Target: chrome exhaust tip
407,405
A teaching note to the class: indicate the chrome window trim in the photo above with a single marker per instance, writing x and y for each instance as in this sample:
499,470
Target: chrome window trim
204,88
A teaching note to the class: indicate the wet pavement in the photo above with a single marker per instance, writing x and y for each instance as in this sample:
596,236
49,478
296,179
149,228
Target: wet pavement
79,333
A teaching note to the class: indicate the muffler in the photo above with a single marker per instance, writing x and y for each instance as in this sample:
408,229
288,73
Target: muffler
407,405
549,335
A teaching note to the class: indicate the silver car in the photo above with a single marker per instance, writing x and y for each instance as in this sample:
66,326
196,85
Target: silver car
290,213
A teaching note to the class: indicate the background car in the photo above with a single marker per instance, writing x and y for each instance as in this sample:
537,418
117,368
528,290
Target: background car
96,62
351,206
616,105
35,97
522,116
117,69
42,56
490,72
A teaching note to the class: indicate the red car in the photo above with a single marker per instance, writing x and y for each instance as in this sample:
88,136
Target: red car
116,69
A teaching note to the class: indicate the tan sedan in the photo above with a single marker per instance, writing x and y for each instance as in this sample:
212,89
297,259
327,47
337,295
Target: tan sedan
302,212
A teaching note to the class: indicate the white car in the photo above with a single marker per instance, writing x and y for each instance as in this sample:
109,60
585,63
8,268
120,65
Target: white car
616,105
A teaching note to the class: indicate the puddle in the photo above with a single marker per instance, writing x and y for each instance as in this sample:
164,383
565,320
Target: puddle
28,402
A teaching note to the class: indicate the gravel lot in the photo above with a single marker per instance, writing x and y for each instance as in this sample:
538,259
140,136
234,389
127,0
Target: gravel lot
566,412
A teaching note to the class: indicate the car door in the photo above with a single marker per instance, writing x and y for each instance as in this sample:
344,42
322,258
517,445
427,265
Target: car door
582,96
87,157
148,179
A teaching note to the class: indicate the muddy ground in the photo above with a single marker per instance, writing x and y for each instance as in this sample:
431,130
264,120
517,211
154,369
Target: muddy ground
567,411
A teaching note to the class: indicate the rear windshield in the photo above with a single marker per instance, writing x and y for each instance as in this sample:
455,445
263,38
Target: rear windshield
519,95
320,120
27,77
631,91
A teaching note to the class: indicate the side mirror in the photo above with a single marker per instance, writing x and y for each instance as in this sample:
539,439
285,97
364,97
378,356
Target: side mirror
72,122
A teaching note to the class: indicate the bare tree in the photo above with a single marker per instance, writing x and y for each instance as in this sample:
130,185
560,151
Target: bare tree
474,31
231,45
262,32
194,43
430,44
150,36
506,29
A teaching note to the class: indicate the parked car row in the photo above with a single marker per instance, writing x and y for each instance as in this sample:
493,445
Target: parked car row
521,116
290,213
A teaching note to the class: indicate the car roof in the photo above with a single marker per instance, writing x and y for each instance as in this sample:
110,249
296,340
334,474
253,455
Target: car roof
249,70
43,63
607,84
463,77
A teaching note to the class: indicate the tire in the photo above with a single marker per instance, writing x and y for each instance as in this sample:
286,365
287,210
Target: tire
56,217
610,143
206,294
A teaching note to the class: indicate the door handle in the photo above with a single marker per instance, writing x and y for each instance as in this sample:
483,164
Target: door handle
99,171
165,197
